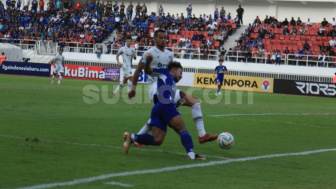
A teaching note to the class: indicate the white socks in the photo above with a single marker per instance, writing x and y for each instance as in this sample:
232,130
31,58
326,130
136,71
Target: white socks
197,116
191,155
121,84
129,85
60,78
146,128
53,78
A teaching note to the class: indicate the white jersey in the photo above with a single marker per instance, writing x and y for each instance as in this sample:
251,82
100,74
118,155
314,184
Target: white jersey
160,60
127,54
59,60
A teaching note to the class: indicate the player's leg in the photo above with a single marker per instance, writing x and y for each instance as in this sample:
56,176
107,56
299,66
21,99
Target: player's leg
152,88
121,84
60,77
196,112
129,83
220,83
145,129
56,71
53,77
177,124
159,129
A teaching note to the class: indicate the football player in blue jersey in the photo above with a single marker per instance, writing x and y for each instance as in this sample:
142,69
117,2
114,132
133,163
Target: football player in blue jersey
220,71
161,58
164,111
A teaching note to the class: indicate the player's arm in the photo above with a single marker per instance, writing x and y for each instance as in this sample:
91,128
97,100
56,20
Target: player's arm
117,58
136,75
214,72
148,68
226,71
134,54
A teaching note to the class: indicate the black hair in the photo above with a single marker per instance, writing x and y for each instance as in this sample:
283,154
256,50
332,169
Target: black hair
174,64
129,37
220,60
159,31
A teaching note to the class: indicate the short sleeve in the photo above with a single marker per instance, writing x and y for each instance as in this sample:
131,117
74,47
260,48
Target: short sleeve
143,58
120,50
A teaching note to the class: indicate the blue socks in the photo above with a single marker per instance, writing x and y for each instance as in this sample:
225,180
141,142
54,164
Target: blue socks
218,89
145,139
148,139
187,141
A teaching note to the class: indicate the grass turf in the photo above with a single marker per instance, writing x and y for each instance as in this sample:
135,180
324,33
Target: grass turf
79,126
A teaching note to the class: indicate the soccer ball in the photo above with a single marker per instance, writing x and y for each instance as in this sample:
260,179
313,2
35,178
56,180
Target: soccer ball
225,140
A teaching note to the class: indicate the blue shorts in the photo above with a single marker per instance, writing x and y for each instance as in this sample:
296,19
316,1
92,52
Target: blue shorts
162,114
219,80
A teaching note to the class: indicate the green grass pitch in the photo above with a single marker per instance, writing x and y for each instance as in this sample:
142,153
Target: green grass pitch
70,136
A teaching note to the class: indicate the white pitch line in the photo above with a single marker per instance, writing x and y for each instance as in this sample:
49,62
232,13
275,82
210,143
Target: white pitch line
113,146
173,168
265,114
119,184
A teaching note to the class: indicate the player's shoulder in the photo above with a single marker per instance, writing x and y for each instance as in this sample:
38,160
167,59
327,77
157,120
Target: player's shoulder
164,71
152,49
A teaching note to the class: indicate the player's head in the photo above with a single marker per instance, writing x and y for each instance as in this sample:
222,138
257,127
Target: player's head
220,61
175,68
60,51
129,41
160,38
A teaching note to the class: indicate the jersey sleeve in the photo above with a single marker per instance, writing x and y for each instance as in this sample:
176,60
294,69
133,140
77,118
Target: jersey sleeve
216,68
225,68
121,51
133,50
143,58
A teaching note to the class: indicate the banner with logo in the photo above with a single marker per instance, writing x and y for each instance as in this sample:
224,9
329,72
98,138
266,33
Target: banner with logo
25,68
304,88
89,72
230,82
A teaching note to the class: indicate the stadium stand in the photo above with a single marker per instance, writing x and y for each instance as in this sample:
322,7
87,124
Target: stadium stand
293,42
82,28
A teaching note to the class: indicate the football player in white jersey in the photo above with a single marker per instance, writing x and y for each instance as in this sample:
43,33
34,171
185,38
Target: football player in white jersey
161,58
59,66
127,53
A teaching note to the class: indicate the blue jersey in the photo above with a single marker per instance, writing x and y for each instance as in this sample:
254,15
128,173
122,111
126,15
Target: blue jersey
166,85
165,109
220,71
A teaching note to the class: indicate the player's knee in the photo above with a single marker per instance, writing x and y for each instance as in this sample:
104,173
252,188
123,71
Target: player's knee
158,141
191,100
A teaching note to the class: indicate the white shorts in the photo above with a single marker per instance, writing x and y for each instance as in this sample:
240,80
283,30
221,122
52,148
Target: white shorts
59,69
127,72
152,90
